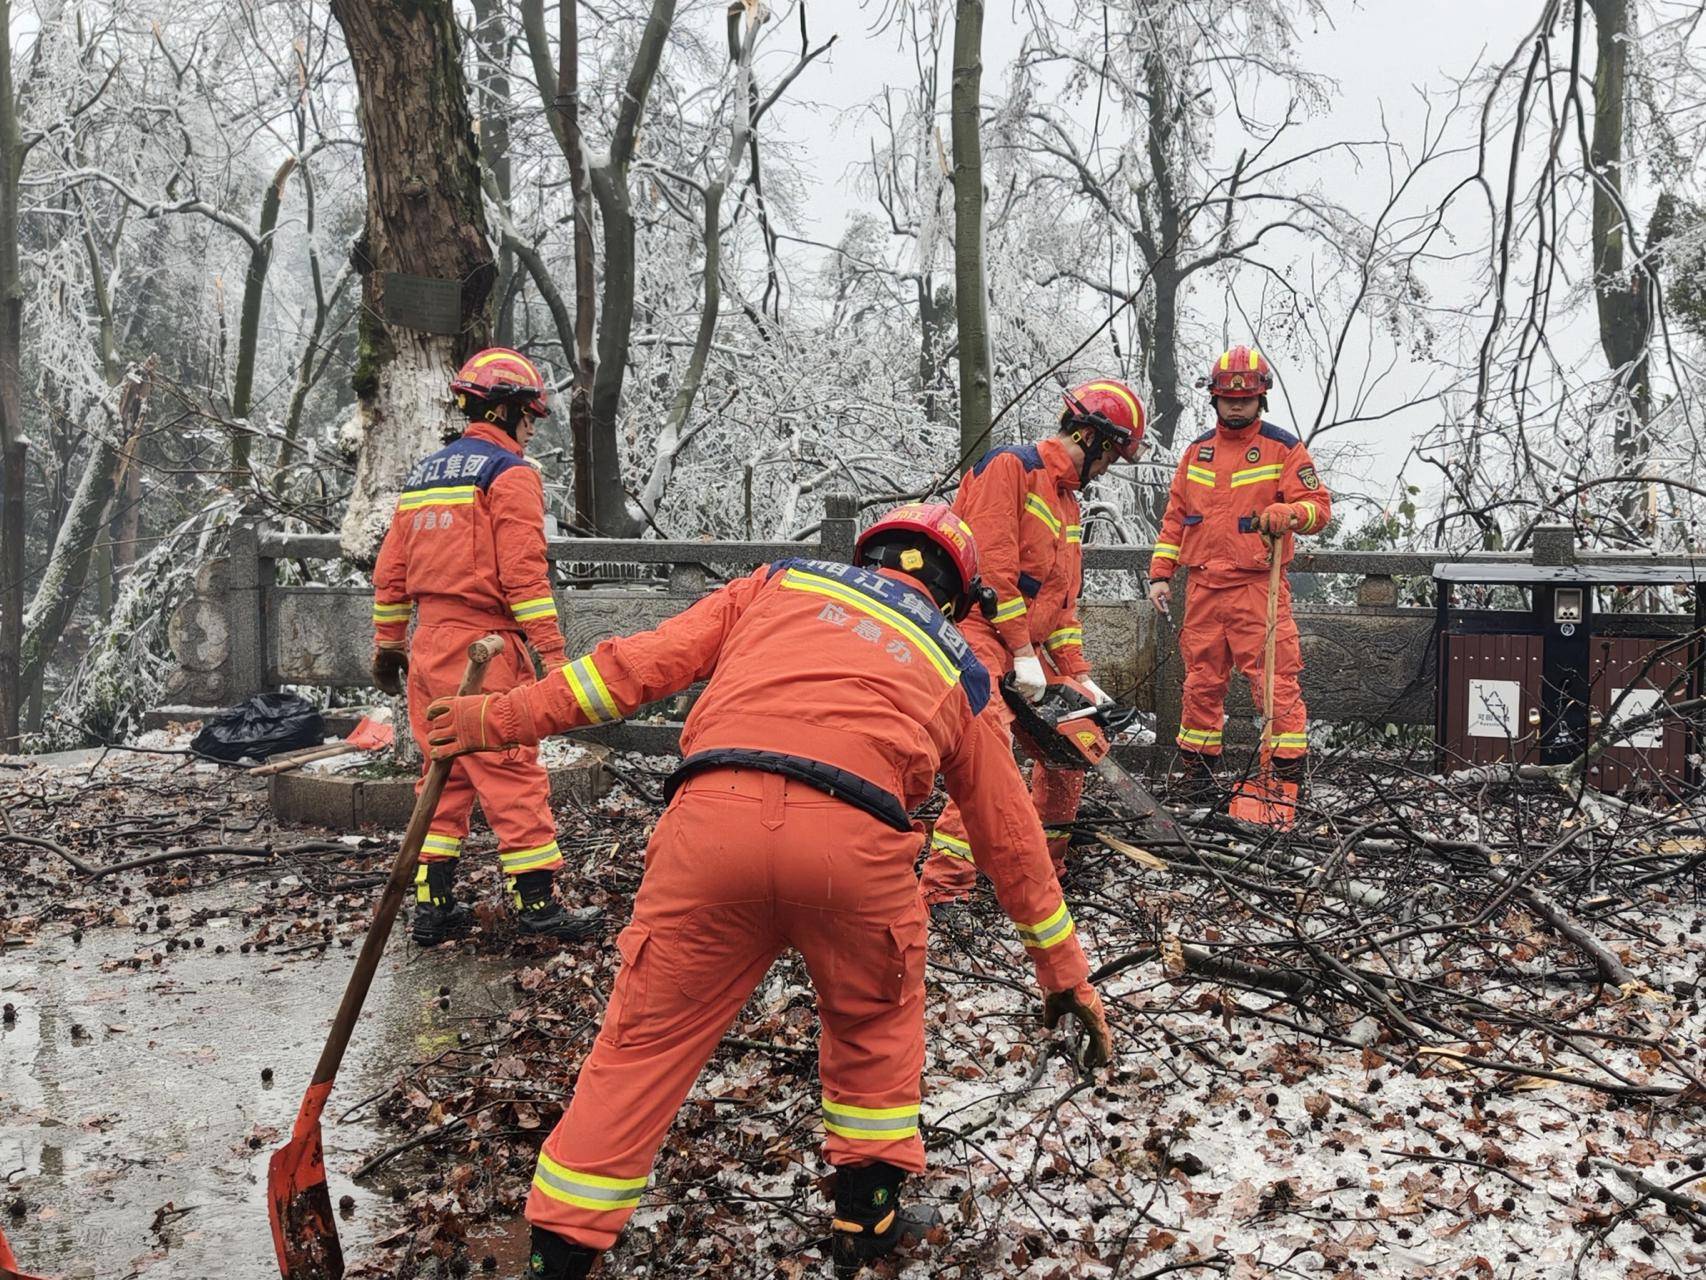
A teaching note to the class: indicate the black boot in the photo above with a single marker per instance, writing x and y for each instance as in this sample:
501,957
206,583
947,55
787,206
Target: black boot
869,1220
438,916
1294,771
1195,785
538,914
554,1258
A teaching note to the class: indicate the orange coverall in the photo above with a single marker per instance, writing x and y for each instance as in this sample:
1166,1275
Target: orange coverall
850,676
1224,481
1022,505
466,553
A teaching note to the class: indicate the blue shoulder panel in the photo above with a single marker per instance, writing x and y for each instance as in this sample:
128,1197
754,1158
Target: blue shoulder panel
1205,437
1028,454
916,606
462,462
1271,432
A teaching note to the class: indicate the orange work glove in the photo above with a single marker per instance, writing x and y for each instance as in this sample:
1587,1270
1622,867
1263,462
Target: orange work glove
1085,1005
1278,518
390,665
476,722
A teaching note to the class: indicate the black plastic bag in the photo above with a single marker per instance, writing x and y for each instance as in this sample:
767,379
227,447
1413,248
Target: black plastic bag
266,725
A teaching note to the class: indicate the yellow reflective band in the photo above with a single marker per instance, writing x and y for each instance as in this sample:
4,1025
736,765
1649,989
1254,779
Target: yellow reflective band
1040,509
1065,636
951,846
1255,358
1226,359
1047,933
448,846
1200,475
422,892
586,1190
455,495
391,610
1199,737
514,357
1255,475
800,580
1291,739
1166,551
590,691
1114,388
1075,533
870,1124
1007,610
527,610
515,861
1314,514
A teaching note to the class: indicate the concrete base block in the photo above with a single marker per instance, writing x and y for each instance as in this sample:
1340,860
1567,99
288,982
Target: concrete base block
342,802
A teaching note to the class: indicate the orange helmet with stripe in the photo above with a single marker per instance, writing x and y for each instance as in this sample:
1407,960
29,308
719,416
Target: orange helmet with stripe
1111,412
498,375
929,541
1241,373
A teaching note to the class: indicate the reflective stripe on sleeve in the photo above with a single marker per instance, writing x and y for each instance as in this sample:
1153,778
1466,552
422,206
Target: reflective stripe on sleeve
1166,551
1063,637
1314,515
870,1124
1047,933
591,1191
398,612
1075,533
1007,610
528,610
590,691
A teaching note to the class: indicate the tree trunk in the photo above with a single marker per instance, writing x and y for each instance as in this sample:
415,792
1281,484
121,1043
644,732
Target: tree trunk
424,218
492,110
971,293
13,447
249,328
1623,293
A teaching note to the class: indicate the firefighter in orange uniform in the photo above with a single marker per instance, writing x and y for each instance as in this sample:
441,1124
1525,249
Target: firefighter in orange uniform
837,692
1236,488
1022,505
465,555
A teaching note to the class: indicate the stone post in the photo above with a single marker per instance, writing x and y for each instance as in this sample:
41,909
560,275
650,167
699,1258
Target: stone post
246,612
840,527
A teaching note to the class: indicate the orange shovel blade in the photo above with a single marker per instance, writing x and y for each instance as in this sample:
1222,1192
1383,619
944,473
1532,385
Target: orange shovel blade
9,1264
299,1203
1265,802
371,735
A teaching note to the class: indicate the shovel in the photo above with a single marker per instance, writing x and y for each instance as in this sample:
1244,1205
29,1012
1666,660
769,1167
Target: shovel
9,1264
299,1203
1260,799
368,735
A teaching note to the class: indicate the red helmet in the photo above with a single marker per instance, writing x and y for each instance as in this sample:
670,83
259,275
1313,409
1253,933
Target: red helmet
499,375
1111,410
1242,373
894,542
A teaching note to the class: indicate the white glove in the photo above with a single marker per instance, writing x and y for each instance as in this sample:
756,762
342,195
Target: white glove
1096,692
1028,676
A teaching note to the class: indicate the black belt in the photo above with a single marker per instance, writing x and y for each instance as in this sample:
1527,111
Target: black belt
850,788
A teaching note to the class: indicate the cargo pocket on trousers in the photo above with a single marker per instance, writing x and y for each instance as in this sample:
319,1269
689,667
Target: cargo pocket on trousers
628,1002
905,978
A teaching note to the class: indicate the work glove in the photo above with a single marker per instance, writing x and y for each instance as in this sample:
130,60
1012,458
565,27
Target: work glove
1085,1005
1098,695
390,665
1161,595
1028,676
475,722
1278,518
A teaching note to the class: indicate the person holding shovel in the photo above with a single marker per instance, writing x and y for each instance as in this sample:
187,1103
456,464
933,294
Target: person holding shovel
1241,493
465,557
836,694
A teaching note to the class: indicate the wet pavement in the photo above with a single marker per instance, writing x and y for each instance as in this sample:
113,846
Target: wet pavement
135,1124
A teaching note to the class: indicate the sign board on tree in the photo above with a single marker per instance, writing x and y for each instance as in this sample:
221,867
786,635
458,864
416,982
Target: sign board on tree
421,302
1637,703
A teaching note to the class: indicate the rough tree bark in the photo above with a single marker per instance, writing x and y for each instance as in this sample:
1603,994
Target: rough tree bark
1623,291
13,447
249,329
425,218
971,294
492,31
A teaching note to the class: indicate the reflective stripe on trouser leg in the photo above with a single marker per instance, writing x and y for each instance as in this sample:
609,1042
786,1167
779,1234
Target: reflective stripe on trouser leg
1206,650
515,796
439,846
542,857
949,871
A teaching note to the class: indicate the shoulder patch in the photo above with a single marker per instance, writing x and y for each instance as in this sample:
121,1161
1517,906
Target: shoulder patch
1306,473
1270,432
1029,456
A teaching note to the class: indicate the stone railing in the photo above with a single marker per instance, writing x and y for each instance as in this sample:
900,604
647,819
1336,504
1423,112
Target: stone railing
1371,662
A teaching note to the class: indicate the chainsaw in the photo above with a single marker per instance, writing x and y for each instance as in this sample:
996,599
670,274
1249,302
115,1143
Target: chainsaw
1067,729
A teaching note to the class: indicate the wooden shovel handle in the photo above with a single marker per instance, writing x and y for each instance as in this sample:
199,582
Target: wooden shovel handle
480,653
1275,568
